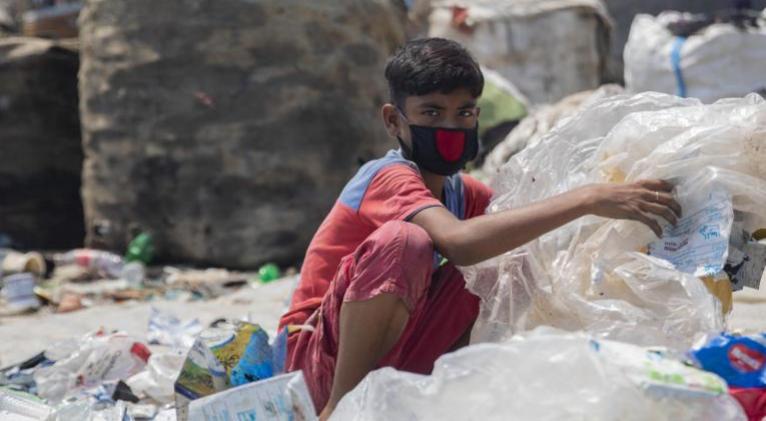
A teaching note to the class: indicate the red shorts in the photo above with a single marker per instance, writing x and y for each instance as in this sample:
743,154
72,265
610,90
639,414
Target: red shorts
396,259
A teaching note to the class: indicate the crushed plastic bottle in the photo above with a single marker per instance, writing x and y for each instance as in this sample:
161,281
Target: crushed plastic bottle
141,249
102,261
21,406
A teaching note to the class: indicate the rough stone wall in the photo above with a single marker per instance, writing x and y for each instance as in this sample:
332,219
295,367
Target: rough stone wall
228,127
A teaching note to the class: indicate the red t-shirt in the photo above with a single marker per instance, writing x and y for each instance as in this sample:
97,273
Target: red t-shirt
380,192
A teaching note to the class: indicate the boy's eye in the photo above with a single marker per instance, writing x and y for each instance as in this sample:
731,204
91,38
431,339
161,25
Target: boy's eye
466,113
431,113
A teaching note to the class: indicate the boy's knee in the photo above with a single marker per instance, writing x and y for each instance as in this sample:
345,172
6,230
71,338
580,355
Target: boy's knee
415,241
397,258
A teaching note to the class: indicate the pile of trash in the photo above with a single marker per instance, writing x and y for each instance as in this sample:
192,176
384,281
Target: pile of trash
179,370
549,375
613,278
80,278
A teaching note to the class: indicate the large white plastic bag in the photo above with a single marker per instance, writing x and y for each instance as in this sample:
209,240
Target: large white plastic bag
589,274
719,61
548,48
543,376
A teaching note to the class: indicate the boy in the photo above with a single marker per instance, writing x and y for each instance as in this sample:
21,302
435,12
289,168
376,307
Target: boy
379,284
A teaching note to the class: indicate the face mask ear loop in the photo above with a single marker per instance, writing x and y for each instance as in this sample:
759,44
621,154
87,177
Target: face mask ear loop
406,152
399,110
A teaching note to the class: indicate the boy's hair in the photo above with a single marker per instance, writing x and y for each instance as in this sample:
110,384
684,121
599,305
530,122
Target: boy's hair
429,65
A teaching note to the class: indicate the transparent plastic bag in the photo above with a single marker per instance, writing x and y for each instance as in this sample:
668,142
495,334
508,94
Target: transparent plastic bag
593,273
544,375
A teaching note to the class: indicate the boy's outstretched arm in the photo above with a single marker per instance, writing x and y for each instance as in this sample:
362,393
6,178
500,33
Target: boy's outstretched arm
474,240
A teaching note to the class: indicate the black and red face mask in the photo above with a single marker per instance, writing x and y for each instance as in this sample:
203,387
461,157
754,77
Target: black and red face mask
440,150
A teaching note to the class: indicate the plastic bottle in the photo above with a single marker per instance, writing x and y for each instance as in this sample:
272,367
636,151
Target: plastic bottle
141,249
102,261
134,273
268,272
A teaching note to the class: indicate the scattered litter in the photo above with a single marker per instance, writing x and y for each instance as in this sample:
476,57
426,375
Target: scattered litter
167,329
141,249
208,283
19,406
70,301
122,392
157,381
145,411
229,354
753,401
88,362
12,261
284,397
91,410
268,272
18,294
740,360
107,264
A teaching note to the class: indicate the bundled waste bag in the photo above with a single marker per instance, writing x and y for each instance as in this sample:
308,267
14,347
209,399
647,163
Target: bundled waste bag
719,60
614,278
544,375
547,48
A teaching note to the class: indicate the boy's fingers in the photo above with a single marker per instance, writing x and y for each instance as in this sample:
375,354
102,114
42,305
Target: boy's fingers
663,198
662,211
673,204
657,185
651,223
668,200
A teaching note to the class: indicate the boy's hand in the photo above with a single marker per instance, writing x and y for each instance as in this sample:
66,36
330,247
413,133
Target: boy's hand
637,201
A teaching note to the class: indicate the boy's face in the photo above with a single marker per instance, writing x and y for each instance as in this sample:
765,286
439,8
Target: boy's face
455,110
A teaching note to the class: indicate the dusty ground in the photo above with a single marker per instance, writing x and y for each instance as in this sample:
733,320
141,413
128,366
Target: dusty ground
24,336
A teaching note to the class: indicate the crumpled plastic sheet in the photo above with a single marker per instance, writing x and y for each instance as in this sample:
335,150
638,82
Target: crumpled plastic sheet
593,273
86,410
158,380
544,375
88,362
167,329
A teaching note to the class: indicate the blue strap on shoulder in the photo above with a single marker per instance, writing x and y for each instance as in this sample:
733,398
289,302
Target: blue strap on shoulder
675,62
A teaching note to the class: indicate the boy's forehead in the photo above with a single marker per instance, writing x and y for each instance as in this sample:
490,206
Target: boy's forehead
455,99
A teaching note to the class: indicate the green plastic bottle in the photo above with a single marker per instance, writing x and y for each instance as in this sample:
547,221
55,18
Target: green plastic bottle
141,249
268,272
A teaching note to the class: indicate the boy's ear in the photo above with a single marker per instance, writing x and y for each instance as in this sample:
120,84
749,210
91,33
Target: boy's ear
391,119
